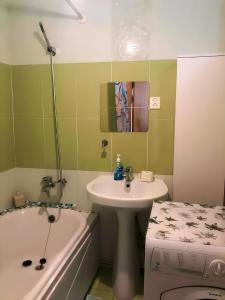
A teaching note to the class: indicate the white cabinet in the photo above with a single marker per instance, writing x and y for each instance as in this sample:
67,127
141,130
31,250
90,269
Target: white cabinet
199,148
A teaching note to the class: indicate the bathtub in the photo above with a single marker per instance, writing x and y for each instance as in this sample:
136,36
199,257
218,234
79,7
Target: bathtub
70,245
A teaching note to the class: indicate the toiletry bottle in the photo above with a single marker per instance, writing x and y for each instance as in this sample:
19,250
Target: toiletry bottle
118,173
19,199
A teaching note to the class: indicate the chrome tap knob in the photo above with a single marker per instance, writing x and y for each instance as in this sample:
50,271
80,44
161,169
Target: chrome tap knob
47,180
63,182
47,183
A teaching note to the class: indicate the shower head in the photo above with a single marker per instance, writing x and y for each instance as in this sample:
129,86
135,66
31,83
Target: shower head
51,50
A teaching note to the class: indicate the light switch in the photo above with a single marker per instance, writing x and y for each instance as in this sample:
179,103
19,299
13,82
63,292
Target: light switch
154,102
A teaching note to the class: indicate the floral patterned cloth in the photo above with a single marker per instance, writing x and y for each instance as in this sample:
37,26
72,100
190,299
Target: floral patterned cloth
186,222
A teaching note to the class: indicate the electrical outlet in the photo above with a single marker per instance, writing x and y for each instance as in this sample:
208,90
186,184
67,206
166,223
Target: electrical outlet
154,103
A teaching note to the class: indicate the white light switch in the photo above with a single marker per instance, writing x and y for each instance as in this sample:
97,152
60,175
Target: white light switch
154,102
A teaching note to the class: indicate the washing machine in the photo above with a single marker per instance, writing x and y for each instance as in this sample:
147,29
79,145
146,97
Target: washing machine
185,252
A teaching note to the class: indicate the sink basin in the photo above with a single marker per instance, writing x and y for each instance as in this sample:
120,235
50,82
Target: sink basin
104,190
126,201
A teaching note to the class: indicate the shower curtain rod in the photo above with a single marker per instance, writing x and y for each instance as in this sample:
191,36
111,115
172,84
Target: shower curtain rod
81,17
77,15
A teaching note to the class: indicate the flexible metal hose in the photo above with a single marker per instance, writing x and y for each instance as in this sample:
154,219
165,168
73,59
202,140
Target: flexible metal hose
56,131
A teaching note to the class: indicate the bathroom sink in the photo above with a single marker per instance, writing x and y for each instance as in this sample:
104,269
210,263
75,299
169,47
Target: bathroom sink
104,190
126,201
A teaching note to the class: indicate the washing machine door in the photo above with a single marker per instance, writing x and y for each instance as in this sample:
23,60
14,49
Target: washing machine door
194,293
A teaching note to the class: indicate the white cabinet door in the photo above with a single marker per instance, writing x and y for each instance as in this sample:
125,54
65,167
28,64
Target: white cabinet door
199,148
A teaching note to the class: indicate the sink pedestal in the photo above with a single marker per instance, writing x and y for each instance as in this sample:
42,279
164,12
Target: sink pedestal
106,191
126,266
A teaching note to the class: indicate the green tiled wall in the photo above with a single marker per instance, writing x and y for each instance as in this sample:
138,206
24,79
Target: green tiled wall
78,102
6,120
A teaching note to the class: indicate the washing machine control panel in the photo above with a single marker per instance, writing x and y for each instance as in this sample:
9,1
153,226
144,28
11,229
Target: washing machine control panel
217,268
187,263
178,262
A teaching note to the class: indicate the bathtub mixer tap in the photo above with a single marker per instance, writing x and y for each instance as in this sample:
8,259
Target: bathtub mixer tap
47,183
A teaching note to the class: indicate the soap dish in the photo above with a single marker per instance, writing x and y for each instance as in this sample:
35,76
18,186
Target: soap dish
146,176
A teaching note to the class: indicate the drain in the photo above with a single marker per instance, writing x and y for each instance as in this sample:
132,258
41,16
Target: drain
27,263
39,267
51,219
43,261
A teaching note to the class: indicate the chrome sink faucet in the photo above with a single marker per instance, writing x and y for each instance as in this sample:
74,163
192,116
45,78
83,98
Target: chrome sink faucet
129,176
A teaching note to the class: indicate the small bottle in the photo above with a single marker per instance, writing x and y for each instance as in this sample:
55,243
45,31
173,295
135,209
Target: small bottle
18,199
118,173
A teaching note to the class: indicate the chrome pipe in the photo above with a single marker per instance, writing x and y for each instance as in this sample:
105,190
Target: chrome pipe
56,131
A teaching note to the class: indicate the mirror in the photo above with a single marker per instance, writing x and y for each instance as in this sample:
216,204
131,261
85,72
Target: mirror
124,106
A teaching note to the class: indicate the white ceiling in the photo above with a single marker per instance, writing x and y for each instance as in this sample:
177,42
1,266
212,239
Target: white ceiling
29,3
70,8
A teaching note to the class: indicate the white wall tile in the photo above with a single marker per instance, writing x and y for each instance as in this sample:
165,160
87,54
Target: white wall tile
28,181
7,188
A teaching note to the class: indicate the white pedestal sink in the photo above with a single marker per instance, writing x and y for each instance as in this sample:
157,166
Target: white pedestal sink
104,190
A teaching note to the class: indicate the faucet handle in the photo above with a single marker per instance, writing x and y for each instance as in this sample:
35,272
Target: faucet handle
64,182
129,169
47,179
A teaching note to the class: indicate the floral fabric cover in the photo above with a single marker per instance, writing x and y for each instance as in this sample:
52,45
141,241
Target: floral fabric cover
186,222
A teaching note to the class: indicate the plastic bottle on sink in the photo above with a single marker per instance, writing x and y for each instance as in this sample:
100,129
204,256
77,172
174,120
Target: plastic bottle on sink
119,171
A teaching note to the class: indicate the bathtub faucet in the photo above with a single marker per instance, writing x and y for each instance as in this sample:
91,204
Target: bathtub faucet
47,183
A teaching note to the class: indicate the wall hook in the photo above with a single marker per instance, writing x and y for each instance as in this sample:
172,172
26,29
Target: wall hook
104,144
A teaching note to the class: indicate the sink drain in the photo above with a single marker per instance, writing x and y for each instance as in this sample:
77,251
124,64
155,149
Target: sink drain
39,267
43,261
27,263
51,219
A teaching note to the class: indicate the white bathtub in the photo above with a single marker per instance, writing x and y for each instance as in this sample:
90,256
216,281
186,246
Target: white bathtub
72,254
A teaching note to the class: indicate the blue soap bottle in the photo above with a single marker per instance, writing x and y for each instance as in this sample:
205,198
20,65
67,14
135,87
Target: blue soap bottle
118,173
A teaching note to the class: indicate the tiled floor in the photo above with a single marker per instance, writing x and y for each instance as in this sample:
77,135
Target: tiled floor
102,286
